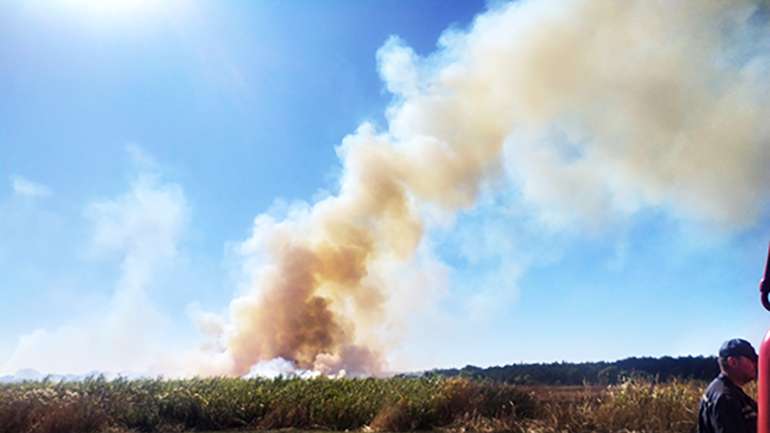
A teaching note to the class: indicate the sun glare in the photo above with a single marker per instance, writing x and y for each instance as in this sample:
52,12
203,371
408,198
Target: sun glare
106,7
111,12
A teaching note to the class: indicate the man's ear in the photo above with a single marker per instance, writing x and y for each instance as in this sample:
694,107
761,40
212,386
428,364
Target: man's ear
732,361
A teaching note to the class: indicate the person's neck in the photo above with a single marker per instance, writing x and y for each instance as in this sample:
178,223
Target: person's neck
739,383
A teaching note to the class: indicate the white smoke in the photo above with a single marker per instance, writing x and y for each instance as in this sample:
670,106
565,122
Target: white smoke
141,229
596,109
24,187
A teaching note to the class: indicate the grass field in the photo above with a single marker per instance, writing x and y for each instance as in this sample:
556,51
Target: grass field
397,404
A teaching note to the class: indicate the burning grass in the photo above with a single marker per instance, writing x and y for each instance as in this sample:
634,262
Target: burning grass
397,404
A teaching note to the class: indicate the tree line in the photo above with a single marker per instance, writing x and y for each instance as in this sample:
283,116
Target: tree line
598,373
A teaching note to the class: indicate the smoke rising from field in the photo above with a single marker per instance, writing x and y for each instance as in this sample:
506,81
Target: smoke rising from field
594,108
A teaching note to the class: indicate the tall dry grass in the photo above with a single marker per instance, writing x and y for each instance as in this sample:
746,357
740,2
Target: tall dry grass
633,406
397,404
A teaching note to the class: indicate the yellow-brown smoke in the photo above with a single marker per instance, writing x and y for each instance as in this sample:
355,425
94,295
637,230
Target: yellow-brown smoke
594,107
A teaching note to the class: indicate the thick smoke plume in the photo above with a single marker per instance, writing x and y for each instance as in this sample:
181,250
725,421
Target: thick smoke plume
595,108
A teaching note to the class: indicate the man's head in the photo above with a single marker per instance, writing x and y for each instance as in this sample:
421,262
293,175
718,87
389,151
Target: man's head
738,361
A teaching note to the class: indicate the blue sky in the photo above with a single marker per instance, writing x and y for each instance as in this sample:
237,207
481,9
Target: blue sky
138,144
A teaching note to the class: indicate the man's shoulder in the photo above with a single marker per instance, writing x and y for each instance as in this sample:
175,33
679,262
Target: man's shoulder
723,393
722,389
719,386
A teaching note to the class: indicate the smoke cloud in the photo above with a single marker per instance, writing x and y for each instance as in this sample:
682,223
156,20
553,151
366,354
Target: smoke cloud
141,228
595,108
24,187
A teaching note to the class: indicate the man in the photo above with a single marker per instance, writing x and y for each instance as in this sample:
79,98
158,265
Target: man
725,408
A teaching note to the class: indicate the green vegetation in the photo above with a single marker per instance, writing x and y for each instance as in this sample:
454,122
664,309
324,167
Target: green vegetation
397,404
449,405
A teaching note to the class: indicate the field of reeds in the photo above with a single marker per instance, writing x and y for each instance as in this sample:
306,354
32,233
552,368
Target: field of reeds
396,404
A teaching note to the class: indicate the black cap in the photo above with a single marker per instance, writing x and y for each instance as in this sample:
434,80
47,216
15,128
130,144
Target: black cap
738,347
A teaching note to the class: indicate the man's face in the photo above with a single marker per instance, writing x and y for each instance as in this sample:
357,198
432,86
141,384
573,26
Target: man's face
744,369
